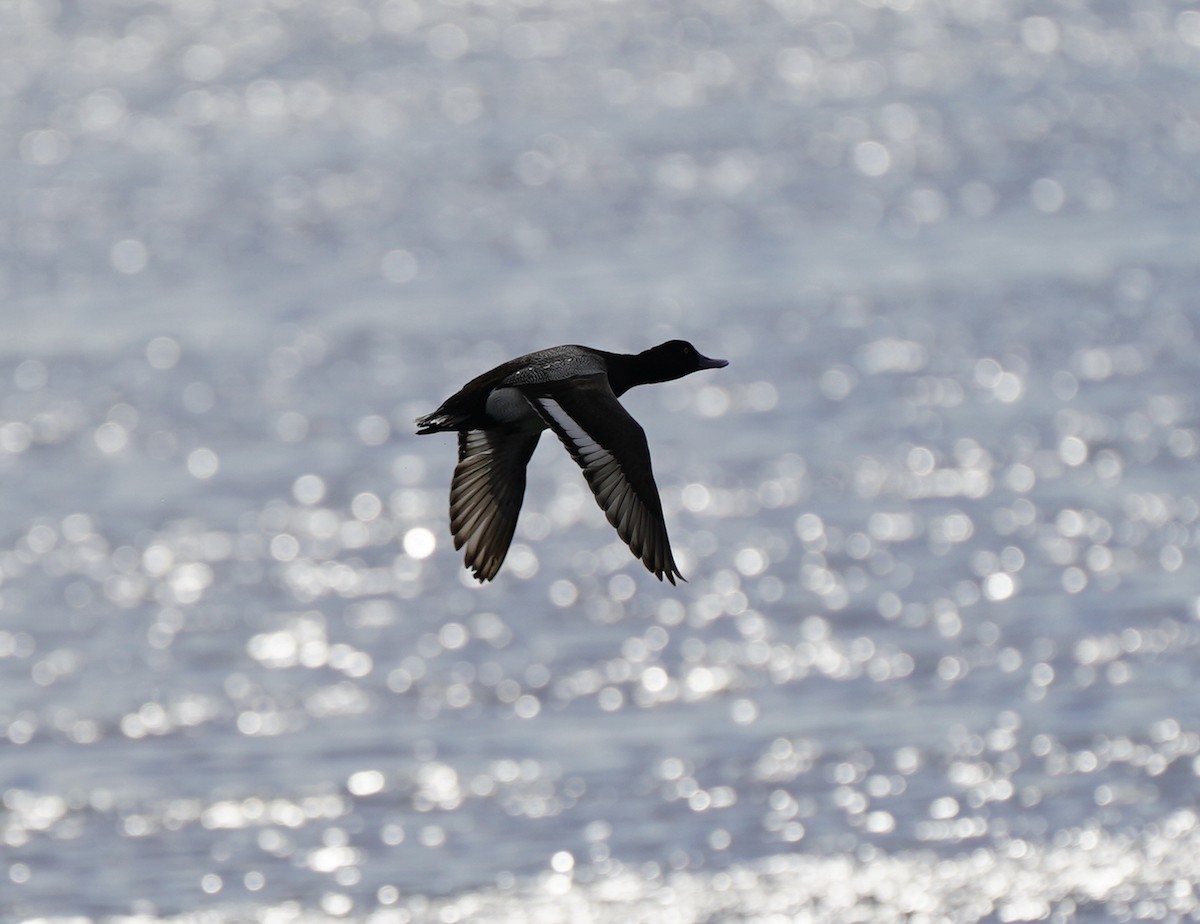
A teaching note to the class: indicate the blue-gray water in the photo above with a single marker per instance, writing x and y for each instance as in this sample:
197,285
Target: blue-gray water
937,656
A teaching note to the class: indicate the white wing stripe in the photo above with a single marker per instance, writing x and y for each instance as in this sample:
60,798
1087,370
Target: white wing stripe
590,452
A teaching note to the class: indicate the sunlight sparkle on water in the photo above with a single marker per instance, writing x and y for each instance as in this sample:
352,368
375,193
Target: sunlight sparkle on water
936,516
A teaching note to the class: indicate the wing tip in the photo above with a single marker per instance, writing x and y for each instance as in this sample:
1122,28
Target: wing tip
481,575
670,574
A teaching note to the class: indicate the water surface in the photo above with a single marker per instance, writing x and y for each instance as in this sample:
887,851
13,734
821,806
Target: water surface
936,654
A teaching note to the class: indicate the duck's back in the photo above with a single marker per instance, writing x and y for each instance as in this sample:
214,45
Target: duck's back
468,407
552,365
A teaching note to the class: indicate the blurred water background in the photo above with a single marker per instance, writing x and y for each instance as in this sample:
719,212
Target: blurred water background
937,659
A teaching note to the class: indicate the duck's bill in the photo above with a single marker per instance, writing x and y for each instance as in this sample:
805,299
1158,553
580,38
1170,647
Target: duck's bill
706,363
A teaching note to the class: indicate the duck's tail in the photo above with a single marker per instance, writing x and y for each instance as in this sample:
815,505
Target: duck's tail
439,422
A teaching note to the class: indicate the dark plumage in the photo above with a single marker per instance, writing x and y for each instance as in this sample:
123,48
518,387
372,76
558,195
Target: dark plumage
500,415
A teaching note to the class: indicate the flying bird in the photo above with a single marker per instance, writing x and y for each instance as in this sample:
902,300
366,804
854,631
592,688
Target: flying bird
500,415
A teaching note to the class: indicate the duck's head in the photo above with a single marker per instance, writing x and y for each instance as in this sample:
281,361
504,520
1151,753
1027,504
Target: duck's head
675,359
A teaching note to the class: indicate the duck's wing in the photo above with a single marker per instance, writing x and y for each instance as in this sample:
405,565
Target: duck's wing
486,494
610,446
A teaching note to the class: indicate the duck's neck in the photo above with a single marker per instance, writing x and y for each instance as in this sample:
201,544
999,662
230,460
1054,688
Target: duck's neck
625,370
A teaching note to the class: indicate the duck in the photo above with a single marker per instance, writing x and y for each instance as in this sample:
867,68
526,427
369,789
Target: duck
573,391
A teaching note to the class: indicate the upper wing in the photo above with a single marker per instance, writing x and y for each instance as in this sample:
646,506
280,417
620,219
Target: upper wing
486,494
610,446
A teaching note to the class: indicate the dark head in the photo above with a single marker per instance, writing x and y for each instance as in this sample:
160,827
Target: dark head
677,358
673,360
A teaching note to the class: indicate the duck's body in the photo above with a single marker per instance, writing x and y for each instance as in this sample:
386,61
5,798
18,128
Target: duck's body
572,390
